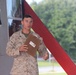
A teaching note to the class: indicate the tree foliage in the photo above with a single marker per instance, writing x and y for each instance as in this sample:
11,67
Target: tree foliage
59,16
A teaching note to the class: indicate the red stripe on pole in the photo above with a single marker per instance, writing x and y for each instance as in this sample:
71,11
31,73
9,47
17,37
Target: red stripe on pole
51,43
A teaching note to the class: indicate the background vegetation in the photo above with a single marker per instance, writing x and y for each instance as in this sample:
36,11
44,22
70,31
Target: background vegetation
52,70
59,16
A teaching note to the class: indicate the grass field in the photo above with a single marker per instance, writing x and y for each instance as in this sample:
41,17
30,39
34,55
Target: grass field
46,64
53,74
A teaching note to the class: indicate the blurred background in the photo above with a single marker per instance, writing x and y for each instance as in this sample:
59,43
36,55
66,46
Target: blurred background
57,15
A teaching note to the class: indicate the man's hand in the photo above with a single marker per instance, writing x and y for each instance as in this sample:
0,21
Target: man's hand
23,48
46,56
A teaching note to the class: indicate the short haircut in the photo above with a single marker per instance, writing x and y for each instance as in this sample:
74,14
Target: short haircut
27,16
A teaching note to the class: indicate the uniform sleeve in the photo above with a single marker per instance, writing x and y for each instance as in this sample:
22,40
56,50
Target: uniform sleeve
42,49
12,49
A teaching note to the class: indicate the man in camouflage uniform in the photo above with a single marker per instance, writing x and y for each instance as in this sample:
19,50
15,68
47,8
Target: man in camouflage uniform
24,63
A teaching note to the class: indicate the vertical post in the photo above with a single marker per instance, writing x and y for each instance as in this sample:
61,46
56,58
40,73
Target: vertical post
5,61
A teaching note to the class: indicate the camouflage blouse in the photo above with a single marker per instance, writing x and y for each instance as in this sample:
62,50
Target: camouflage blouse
24,64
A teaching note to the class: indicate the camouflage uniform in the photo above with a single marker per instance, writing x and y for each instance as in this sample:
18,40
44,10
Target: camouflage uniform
24,64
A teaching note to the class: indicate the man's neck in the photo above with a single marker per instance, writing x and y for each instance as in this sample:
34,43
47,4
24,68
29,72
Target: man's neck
26,31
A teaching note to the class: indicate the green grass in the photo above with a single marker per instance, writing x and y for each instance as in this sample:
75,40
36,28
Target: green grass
46,64
53,74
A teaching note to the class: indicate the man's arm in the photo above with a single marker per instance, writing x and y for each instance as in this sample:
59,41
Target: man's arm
12,49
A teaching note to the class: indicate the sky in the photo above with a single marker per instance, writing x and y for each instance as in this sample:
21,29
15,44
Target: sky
30,1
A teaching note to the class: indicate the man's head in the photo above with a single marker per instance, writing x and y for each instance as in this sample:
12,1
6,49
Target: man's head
27,22
27,16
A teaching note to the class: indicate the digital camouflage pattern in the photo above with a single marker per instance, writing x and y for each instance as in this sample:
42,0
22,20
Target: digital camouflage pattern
24,64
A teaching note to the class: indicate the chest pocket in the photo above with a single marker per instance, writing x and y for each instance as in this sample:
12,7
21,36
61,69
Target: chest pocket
20,40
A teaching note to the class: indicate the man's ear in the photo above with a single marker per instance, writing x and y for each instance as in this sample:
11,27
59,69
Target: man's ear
22,22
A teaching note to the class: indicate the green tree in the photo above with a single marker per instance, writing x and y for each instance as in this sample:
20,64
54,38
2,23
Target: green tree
59,17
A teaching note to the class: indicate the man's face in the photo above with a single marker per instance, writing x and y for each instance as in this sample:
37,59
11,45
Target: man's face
27,23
